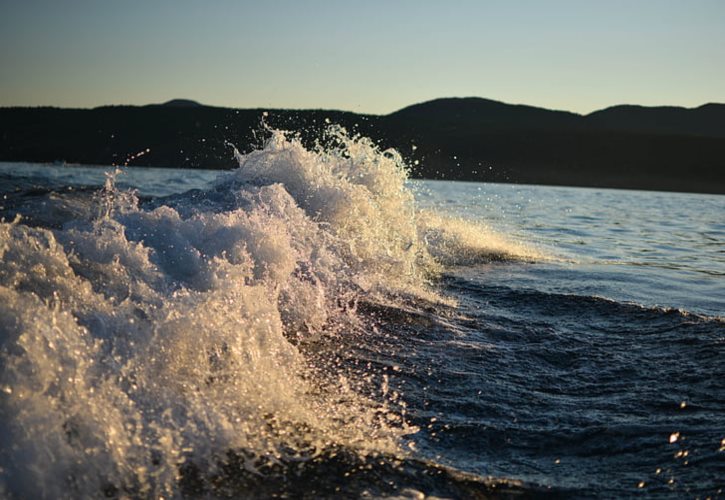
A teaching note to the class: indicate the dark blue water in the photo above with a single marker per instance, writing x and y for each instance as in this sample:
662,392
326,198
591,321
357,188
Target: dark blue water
585,359
575,372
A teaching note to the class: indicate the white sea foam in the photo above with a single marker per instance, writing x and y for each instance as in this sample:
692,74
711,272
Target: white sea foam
141,339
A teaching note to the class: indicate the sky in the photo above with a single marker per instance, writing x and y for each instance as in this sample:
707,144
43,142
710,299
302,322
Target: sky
366,56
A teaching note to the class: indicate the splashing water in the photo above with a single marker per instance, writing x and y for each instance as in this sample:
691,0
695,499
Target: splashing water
138,342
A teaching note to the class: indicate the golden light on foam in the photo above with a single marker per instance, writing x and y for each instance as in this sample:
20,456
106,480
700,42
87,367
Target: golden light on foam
674,437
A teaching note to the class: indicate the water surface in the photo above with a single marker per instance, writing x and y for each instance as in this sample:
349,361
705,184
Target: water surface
315,325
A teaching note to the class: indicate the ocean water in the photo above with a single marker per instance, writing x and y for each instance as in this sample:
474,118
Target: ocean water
313,324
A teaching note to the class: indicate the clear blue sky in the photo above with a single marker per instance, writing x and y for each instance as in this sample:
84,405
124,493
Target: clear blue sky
363,55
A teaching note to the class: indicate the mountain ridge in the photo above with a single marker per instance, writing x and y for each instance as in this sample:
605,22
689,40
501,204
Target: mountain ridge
628,146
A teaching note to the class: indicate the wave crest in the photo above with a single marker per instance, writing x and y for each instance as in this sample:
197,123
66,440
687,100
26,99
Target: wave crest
137,339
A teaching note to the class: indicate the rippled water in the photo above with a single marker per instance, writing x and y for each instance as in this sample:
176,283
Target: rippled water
569,342
652,248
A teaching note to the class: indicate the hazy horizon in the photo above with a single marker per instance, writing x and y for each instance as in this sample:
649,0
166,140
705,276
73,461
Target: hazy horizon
369,58
292,108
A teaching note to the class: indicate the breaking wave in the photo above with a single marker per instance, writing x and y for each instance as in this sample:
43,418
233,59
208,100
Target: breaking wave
144,339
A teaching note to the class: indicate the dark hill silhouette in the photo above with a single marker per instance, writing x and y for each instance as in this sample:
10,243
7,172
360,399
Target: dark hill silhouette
707,120
478,112
495,141
476,139
181,103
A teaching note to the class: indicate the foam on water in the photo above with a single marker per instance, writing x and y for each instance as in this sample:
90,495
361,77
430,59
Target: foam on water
136,340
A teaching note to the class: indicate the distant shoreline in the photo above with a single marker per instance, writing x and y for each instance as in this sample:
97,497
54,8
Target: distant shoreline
470,139
412,177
